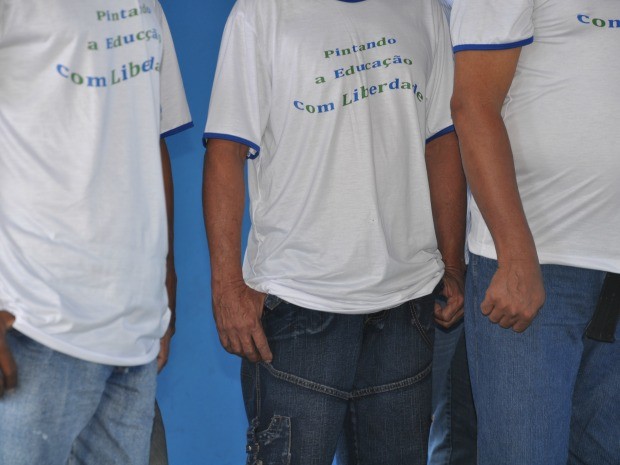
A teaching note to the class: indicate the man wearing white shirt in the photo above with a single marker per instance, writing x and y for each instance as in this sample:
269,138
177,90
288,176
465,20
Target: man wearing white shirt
342,108
88,92
535,107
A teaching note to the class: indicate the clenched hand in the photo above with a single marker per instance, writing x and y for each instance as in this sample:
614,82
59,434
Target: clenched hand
515,294
453,292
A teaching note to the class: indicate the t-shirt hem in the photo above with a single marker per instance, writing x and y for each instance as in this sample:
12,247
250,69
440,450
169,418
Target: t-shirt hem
504,46
83,354
545,258
326,305
254,148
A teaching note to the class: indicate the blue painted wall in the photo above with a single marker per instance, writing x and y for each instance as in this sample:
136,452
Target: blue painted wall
199,391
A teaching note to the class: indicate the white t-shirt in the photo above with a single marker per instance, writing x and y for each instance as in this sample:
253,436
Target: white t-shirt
83,236
561,113
336,100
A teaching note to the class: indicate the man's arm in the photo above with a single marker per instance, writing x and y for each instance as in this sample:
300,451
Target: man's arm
8,369
482,81
171,275
236,307
449,202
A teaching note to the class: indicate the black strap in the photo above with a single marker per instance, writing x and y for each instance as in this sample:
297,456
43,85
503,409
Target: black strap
602,327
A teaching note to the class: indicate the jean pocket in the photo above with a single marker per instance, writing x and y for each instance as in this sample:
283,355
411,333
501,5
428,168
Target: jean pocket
289,321
422,318
271,446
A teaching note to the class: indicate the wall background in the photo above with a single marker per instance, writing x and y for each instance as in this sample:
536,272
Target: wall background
199,390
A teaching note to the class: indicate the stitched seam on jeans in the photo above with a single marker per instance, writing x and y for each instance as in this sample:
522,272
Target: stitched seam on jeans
257,389
418,325
393,386
353,420
311,385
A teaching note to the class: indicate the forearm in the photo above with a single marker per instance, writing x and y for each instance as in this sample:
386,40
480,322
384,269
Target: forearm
448,199
223,204
482,81
237,309
489,167
171,277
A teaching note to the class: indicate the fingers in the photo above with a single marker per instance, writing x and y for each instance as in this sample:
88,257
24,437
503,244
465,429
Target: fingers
260,339
254,346
448,315
8,368
508,316
487,306
452,311
238,317
248,343
249,350
162,357
161,362
231,344
451,322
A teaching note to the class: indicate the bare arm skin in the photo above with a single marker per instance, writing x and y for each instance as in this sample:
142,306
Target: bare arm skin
8,368
482,81
171,276
237,308
449,202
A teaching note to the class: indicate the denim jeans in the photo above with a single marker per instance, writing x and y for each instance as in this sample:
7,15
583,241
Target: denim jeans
159,447
452,438
355,385
547,396
67,411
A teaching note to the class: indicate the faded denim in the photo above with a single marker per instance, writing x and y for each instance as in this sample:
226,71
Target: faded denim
159,447
67,411
547,396
452,438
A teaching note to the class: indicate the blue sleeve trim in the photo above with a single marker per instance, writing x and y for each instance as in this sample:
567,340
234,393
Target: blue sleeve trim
253,153
177,130
521,43
443,132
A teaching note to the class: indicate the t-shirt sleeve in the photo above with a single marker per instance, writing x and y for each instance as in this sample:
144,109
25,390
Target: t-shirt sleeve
175,115
491,24
241,94
440,84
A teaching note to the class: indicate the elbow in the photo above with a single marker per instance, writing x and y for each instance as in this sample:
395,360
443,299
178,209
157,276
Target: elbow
461,109
473,112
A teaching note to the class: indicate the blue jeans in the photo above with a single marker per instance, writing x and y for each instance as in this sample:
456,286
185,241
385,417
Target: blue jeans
67,411
452,438
159,447
358,386
547,396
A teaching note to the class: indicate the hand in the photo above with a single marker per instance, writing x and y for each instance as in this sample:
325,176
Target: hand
237,310
171,290
164,349
453,286
8,368
515,294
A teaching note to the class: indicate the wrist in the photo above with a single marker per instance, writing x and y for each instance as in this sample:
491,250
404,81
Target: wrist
6,320
455,267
